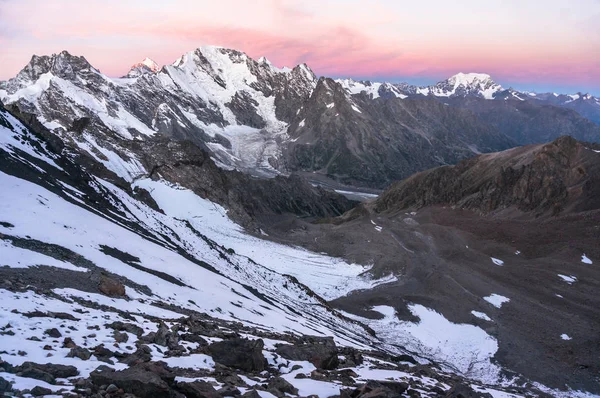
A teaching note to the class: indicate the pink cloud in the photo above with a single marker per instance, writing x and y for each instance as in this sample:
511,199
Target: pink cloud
358,43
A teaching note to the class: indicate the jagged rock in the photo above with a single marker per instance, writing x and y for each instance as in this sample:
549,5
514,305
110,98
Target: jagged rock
239,353
229,391
374,389
5,386
103,354
128,327
48,372
193,338
54,332
38,391
135,380
462,390
142,354
320,351
198,389
79,352
279,384
251,394
352,357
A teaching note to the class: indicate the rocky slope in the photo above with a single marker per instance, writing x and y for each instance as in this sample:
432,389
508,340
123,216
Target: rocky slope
563,176
507,242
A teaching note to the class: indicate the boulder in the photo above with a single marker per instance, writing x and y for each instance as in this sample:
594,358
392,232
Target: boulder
54,333
135,380
5,386
79,352
239,353
198,389
128,327
48,372
279,384
120,337
320,351
374,389
461,390
111,287
142,354
38,391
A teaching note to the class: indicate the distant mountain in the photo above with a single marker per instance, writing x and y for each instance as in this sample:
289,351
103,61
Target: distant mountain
146,66
480,85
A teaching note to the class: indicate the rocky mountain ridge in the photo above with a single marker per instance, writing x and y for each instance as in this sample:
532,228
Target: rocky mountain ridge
259,119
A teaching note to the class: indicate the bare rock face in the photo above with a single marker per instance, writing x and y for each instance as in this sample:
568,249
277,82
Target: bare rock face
239,353
111,287
362,141
543,179
135,380
198,389
320,351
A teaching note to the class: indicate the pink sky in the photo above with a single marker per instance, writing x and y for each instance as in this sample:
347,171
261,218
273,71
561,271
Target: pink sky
529,44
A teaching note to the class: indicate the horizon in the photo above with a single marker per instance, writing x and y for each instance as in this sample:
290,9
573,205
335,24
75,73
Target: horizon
394,41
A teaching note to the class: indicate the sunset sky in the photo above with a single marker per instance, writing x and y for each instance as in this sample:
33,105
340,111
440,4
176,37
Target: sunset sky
539,45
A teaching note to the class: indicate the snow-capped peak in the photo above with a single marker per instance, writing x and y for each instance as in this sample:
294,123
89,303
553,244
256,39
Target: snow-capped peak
467,79
463,84
146,66
149,63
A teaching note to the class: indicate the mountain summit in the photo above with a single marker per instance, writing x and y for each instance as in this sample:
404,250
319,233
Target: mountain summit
146,66
462,84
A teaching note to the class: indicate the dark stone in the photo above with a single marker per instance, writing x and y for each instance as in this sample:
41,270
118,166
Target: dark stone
53,333
5,386
461,390
282,385
79,352
251,394
111,287
320,351
198,389
229,391
239,353
121,337
69,343
48,372
142,354
128,327
38,391
374,389
135,380
193,338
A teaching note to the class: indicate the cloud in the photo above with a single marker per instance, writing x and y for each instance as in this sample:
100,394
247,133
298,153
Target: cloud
514,41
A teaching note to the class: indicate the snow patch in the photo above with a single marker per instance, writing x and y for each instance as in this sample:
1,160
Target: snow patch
496,300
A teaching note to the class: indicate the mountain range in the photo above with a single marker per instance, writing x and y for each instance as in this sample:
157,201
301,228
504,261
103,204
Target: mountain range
176,232
264,120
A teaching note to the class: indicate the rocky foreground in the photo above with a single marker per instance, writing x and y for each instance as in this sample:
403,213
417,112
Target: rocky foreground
89,347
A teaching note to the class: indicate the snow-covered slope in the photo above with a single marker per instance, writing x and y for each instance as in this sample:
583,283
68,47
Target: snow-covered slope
373,90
